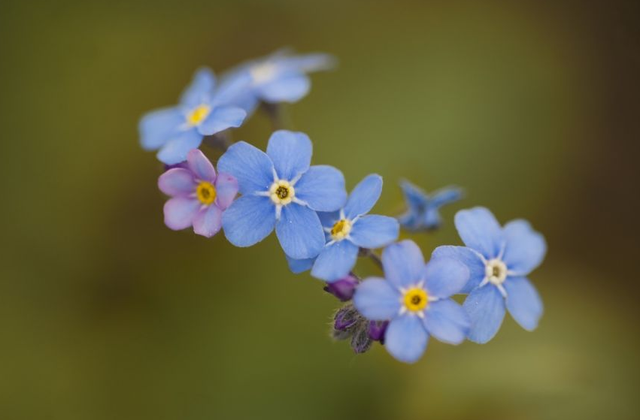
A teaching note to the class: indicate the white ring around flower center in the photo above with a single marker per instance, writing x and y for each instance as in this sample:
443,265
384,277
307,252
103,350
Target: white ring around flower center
282,192
262,73
496,271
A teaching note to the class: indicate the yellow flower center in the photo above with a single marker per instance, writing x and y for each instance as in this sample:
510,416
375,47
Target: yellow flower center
281,192
340,229
206,193
415,299
198,114
496,271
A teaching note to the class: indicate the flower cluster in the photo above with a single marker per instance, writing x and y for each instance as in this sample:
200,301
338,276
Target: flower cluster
323,229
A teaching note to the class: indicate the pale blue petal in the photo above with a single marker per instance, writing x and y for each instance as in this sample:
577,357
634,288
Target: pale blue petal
447,321
249,165
158,127
177,182
232,88
468,257
300,232
249,220
175,151
376,299
335,261
322,187
329,218
308,62
221,118
523,302
374,231
415,196
525,248
485,307
290,152
445,277
208,221
285,88
200,90
446,195
364,196
299,266
480,230
403,264
201,166
431,218
406,338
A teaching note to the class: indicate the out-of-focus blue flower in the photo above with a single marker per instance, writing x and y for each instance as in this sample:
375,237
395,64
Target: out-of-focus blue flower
416,299
199,195
281,190
203,110
350,229
423,210
499,260
279,77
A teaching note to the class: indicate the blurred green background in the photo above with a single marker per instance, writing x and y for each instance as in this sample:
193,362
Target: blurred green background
106,314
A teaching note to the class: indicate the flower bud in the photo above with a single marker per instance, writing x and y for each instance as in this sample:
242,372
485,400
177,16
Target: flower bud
344,288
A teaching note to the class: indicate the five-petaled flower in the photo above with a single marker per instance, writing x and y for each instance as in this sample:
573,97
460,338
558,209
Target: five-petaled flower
499,259
281,190
416,299
203,111
423,210
279,77
350,229
199,195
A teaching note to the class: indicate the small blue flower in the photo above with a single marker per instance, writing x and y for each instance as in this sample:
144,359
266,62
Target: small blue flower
423,210
416,299
350,229
499,259
280,190
203,111
279,77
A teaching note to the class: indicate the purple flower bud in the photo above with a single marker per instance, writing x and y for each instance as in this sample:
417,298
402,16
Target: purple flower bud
344,288
377,330
345,318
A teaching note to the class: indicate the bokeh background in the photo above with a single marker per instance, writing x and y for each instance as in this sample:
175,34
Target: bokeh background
106,314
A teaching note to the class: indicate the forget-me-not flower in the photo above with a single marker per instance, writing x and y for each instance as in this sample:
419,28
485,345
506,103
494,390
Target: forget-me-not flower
281,190
350,229
203,111
199,195
279,77
499,259
416,299
423,210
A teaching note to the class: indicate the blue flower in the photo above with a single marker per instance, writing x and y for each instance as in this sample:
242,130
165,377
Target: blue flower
203,111
350,229
280,190
279,77
416,299
423,209
499,259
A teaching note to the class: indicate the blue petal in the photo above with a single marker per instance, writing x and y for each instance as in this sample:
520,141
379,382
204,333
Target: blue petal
329,218
445,277
468,257
299,266
290,152
445,196
249,220
447,321
232,88
286,88
374,231
364,196
335,261
406,338
249,165
415,196
376,299
176,150
300,232
523,302
431,218
200,90
479,230
525,248
308,62
322,187
410,220
485,307
158,127
221,118
403,263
